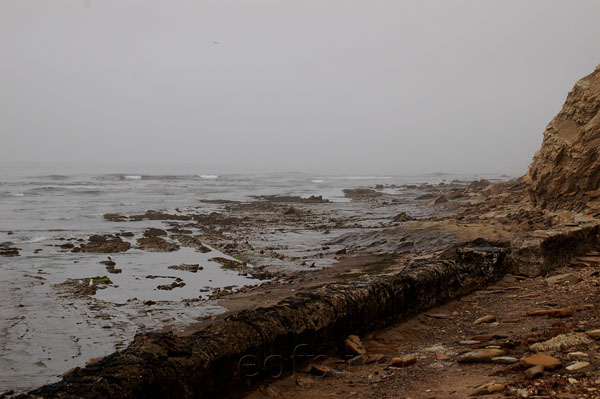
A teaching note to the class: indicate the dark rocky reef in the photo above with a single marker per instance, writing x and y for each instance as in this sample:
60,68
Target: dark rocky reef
107,243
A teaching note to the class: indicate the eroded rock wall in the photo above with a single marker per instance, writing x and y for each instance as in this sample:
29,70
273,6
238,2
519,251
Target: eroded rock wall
565,172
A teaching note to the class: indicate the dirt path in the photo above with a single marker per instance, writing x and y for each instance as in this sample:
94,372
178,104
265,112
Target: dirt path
438,338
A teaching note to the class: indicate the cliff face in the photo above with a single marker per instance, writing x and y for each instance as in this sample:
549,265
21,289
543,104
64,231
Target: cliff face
565,172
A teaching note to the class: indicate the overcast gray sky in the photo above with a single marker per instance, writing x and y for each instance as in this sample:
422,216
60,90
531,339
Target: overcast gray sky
289,85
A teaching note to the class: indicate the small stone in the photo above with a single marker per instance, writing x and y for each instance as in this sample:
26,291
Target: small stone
469,342
505,360
358,360
354,346
562,312
323,371
375,358
594,334
488,389
438,315
271,391
403,361
534,372
480,356
548,362
578,366
485,319
483,338
573,380
563,278
577,354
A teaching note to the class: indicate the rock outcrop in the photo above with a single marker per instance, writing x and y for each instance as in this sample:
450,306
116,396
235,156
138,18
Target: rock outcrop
565,172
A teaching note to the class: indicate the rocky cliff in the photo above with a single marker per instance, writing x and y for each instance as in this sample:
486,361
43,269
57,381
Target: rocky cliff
565,172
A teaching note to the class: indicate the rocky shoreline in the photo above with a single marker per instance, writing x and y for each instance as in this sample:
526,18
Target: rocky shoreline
206,363
333,271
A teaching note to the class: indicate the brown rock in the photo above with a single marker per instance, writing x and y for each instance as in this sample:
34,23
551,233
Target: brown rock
505,360
485,319
483,337
354,346
402,217
534,372
323,371
488,389
358,360
480,356
562,312
376,358
469,342
403,361
548,362
438,200
577,366
594,334
563,278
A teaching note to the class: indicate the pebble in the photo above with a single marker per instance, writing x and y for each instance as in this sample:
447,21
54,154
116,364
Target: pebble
577,354
562,312
594,334
563,278
534,372
358,360
480,356
485,319
577,366
375,358
505,360
323,371
403,361
354,346
489,388
469,342
547,362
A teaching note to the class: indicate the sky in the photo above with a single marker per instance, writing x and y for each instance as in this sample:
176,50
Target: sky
337,86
